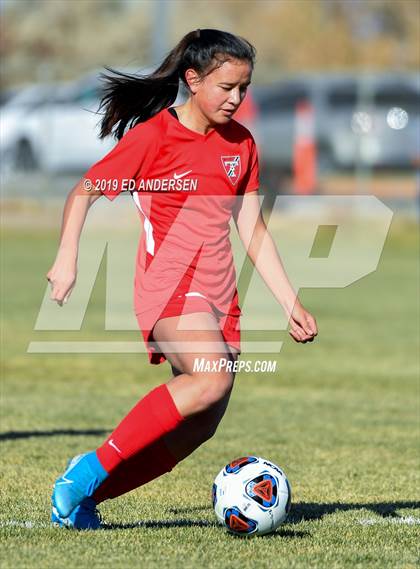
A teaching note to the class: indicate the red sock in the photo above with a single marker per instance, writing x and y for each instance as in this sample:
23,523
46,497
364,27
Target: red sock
152,417
146,465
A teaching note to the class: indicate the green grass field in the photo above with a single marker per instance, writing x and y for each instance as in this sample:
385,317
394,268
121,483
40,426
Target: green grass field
340,416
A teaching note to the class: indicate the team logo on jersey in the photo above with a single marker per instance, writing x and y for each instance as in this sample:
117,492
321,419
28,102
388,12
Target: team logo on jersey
232,166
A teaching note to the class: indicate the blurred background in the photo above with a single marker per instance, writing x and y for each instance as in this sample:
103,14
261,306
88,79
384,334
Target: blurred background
334,108
334,104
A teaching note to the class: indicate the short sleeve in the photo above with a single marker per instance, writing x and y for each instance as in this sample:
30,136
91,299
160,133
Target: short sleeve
117,171
251,182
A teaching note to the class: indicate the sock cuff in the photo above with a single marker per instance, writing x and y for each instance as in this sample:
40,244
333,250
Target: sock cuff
164,408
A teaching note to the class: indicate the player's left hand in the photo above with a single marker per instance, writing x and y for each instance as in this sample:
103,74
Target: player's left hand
303,324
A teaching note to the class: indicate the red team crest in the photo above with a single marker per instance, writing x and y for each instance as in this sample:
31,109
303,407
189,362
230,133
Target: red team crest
232,166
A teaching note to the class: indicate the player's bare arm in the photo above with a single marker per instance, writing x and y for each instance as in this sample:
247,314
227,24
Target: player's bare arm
263,253
62,275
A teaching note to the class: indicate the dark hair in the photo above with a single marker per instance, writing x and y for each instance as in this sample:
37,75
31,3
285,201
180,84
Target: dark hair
129,99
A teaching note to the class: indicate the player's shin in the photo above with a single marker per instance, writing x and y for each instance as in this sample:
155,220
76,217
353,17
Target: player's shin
152,417
143,467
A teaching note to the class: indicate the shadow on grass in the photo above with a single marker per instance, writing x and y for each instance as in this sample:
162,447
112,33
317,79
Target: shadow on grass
162,524
312,511
14,435
308,511
190,509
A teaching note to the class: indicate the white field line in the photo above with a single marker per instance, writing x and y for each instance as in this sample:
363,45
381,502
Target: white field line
405,520
25,525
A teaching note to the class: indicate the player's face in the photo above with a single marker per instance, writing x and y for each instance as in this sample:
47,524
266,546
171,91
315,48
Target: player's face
219,94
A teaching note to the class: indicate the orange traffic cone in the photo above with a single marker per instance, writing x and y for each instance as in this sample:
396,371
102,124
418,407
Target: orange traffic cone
248,111
304,150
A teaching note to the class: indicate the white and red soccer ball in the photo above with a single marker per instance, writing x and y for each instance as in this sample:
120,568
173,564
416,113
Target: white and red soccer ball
251,496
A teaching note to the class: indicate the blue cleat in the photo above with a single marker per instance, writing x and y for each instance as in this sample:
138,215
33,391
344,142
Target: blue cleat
84,516
84,474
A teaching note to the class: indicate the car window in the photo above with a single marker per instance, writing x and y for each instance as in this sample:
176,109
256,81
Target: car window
282,99
29,98
342,96
403,96
87,95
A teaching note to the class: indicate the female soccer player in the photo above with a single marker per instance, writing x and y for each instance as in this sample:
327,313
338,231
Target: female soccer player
189,169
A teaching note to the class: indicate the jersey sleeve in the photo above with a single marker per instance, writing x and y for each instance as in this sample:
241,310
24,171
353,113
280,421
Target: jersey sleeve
251,182
114,172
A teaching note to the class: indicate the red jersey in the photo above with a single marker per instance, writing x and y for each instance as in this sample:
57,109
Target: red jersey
184,185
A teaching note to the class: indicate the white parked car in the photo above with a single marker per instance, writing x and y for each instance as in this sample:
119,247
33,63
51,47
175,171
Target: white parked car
52,127
55,127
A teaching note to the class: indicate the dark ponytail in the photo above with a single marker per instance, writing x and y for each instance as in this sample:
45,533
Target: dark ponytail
131,99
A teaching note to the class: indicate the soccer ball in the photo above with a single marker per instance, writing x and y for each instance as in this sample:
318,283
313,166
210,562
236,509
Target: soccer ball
251,496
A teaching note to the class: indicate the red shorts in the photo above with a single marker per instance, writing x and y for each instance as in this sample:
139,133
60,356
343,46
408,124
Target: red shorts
229,323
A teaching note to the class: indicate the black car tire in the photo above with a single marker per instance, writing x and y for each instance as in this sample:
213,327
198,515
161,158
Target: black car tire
24,158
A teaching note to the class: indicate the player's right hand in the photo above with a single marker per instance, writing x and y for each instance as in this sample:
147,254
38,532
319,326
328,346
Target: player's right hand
303,325
62,278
